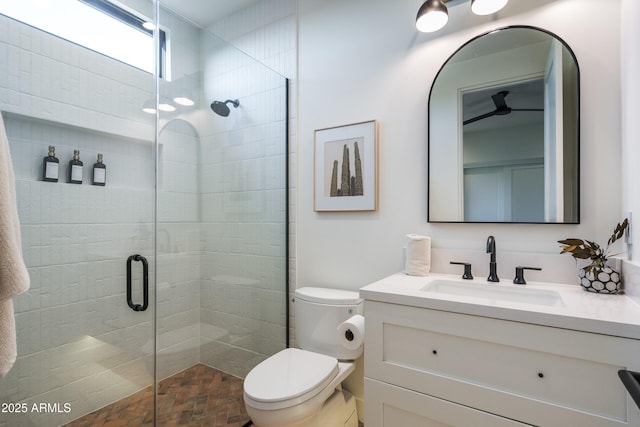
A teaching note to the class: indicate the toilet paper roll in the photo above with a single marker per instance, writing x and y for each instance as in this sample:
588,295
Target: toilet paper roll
418,255
351,332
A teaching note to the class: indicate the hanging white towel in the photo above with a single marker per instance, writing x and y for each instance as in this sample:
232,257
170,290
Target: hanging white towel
14,277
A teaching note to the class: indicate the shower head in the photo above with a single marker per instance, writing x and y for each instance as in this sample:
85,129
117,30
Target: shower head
221,109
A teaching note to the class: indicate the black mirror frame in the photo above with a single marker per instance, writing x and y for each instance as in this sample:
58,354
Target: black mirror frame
435,79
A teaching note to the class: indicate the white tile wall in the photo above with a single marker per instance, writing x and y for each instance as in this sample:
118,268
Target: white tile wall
242,192
267,31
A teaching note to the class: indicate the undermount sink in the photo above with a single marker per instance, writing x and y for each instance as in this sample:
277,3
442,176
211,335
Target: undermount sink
494,292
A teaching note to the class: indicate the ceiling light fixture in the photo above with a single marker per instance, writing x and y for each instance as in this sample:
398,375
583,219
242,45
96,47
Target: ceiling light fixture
487,7
433,14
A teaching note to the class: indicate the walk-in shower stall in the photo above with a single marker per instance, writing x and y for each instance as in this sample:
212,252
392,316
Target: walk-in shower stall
180,258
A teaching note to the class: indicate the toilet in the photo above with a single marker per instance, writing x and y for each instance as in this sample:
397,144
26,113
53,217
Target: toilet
299,387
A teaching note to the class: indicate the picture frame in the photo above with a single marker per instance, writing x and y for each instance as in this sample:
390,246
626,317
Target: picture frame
345,168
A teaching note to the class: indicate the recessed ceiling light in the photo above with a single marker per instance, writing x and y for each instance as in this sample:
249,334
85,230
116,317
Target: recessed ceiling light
181,100
166,107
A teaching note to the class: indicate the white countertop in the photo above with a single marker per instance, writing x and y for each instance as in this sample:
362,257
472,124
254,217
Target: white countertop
615,315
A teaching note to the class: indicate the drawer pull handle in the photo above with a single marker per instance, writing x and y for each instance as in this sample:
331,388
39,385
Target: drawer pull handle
435,352
540,375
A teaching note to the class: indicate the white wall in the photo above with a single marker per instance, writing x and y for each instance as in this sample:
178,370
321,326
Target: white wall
630,33
496,145
362,60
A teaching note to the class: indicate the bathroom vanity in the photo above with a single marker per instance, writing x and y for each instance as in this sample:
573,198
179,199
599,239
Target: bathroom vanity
446,351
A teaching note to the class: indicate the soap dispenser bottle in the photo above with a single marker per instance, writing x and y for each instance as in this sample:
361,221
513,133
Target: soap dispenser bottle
99,172
75,168
50,166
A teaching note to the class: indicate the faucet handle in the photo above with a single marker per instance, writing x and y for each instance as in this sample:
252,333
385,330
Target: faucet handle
519,279
467,269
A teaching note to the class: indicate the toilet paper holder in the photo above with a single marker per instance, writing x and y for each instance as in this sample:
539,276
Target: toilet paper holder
348,334
351,332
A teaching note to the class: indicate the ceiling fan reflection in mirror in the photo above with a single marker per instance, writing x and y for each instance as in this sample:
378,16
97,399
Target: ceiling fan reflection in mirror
501,108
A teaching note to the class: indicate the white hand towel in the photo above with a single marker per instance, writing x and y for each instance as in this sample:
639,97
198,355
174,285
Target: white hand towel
14,277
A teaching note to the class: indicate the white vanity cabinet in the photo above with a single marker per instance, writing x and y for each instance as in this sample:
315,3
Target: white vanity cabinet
428,367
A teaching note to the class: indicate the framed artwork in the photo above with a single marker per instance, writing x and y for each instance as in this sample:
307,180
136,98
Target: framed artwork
346,159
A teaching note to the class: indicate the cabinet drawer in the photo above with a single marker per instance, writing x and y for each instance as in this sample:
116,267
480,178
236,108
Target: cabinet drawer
392,406
500,366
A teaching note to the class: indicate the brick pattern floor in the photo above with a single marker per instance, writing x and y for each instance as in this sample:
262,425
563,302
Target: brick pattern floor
197,397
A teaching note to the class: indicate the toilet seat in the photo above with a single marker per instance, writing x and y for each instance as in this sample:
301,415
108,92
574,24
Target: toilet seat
288,378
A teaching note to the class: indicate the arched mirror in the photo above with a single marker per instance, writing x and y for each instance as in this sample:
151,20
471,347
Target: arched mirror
504,114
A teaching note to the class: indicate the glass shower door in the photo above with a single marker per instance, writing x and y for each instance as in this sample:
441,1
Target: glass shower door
222,227
80,346
194,205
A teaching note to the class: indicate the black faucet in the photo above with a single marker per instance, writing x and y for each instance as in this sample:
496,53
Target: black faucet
491,249
467,269
519,279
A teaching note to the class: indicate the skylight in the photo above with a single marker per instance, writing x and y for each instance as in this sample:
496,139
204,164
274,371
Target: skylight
99,25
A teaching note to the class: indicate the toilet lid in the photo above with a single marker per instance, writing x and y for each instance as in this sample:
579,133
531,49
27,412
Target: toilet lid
290,374
328,296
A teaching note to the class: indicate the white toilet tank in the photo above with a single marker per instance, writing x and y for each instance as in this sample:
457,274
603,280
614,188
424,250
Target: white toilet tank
318,312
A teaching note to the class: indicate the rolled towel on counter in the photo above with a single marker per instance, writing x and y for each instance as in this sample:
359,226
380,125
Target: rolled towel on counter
418,255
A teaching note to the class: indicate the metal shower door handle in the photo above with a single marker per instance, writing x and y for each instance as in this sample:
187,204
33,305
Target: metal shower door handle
145,283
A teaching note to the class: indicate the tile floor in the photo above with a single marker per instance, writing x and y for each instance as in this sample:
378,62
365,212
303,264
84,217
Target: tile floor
198,396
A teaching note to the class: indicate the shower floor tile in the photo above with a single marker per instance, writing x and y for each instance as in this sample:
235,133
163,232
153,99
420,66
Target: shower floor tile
198,396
